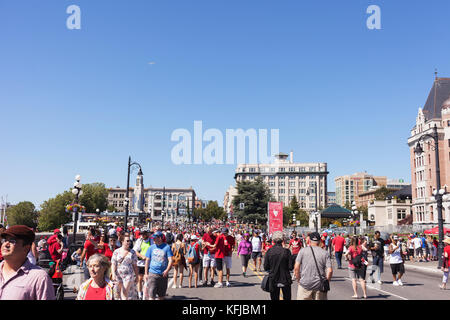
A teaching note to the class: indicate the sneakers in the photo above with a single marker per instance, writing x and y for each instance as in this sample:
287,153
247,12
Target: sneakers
205,284
218,285
228,284
395,283
244,275
380,282
179,287
174,286
400,283
212,283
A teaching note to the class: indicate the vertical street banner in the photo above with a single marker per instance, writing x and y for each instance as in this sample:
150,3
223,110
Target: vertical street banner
275,217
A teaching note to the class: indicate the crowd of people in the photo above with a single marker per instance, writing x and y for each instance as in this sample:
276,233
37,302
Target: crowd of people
134,264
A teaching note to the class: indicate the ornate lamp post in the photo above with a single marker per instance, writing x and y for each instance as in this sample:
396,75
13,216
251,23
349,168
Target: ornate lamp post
354,216
77,192
127,200
438,195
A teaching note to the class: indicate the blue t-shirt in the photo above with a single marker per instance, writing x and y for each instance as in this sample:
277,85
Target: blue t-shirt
424,243
159,258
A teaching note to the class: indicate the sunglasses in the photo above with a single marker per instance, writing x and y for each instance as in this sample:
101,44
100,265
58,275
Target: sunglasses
11,241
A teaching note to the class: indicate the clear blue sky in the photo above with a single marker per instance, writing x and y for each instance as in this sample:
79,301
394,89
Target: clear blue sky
81,101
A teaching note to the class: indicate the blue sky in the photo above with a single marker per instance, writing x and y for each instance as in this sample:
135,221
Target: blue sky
81,101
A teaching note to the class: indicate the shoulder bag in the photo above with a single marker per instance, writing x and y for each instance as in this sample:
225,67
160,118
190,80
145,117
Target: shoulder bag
324,283
265,284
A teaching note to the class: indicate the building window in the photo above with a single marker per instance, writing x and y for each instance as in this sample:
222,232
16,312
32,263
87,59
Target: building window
281,183
282,170
401,214
291,169
292,191
291,184
272,178
281,191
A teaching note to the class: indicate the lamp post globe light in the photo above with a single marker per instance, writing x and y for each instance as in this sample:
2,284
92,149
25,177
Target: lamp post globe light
438,196
354,216
77,192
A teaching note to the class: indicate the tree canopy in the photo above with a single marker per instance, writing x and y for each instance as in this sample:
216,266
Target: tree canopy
255,196
24,213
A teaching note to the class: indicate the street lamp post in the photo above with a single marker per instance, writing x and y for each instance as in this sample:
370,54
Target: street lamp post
438,196
77,192
316,213
127,200
295,222
163,207
354,215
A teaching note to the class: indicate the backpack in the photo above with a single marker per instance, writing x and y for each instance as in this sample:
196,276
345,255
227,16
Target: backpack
357,261
192,256
176,255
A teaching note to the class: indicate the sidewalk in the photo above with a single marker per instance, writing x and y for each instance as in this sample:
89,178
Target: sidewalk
430,267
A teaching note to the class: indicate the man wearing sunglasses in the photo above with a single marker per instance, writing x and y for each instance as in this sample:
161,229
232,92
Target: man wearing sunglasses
19,279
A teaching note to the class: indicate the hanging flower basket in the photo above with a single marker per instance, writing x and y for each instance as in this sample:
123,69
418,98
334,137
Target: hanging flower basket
75,207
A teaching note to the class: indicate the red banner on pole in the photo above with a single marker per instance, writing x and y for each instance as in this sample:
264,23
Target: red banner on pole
275,217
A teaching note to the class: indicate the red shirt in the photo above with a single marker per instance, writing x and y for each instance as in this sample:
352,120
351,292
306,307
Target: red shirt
229,245
353,253
296,245
95,293
211,239
90,249
338,244
220,246
447,260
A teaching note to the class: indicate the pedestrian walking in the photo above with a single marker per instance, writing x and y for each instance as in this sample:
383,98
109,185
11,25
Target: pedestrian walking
312,269
277,262
90,248
158,263
124,270
445,264
295,244
193,260
257,244
245,253
357,267
179,260
377,249
396,261
140,247
338,244
98,286
19,278
209,261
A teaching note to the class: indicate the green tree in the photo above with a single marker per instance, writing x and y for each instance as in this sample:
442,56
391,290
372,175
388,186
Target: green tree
95,196
24,213
255,195
53,212
383,192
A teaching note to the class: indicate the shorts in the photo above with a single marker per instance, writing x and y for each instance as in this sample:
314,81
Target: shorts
244,259
357,273
256,255
418,252
209,261
141,270
219,264
397,268
156,285
411,252
228,262
304,294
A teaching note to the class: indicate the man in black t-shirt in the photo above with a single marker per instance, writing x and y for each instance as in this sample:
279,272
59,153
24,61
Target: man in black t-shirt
377,248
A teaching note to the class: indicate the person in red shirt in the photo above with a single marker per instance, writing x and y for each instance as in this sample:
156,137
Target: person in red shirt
222,247
209,261
338,245
55,245
446,263
294,245
359,272
90,248
230,244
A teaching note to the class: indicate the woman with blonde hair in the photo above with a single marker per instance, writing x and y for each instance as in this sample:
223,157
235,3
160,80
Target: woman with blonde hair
98,286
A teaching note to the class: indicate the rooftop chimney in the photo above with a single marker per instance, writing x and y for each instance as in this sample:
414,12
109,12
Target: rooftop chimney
292,157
